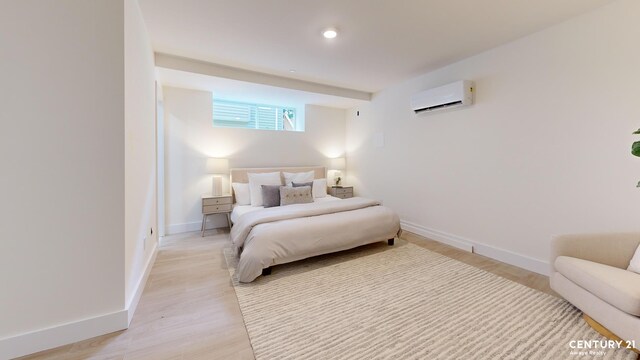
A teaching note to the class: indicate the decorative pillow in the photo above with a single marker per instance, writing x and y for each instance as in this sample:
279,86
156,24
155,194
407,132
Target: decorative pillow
310,183
270,195
319,188
302,177
295,195
256,180
634,264
241,191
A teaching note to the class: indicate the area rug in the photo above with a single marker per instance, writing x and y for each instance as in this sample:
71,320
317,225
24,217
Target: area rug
406,302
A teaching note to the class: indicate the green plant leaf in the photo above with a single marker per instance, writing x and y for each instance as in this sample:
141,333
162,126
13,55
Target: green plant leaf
637,131
638,184
635,148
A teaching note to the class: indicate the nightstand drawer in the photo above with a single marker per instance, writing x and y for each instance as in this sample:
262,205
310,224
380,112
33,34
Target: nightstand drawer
210,209
340,191
216,201
344,196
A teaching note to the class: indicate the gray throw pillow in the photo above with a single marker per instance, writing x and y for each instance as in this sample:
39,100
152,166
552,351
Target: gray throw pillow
270,195
295,195
310,183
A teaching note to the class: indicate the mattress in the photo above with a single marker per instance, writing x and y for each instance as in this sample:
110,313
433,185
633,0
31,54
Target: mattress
239,210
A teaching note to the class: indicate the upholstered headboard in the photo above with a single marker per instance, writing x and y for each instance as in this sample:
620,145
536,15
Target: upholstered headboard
240,175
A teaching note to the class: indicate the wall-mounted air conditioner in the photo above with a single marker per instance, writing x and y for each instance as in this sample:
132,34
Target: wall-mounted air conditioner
457,94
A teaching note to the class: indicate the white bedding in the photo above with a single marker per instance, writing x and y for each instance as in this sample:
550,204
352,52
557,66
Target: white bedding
239,210
278,235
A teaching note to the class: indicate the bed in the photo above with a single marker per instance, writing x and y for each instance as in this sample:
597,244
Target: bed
264,237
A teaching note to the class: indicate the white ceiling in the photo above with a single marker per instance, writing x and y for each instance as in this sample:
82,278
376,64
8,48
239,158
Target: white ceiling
379,43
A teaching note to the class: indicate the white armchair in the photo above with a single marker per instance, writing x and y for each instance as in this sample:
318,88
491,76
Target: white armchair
589,271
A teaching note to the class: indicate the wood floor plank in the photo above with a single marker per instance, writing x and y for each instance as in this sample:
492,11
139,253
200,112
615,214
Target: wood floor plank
189,309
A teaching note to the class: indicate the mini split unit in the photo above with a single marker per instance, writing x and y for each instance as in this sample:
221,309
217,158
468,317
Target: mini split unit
454,95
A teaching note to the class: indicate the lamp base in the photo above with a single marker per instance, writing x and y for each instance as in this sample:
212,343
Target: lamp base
216,189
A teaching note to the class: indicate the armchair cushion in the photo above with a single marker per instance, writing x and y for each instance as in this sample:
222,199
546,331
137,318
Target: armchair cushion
614,249
618,287
634,264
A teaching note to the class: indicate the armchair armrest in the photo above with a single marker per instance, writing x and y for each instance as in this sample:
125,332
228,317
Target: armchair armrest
613,249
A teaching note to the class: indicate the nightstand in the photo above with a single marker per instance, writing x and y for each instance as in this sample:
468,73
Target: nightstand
215,205
343,192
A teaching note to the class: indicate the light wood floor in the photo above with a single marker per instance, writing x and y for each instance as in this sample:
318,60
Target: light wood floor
189,309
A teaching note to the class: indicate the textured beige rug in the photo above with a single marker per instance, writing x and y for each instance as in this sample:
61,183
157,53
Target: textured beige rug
405,302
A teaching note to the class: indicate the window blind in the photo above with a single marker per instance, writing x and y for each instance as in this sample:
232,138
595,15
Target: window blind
248,116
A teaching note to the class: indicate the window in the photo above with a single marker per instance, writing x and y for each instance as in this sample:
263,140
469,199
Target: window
253,116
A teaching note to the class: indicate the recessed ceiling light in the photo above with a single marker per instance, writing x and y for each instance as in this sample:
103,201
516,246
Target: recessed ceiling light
292,70
330,33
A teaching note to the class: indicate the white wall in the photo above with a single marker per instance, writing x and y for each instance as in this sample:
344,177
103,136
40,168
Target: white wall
545,149
140,153
78,178
190,139
62,155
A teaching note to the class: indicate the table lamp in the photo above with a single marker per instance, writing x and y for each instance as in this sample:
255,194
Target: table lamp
337,164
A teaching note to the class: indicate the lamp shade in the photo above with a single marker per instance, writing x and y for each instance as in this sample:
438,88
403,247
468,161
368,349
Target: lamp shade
337,164
217,166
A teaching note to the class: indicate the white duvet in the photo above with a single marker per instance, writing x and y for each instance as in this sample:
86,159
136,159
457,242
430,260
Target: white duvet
283,234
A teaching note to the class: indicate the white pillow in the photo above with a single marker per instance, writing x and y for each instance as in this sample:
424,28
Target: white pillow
319,188
302,177
634,264
256,180
241,191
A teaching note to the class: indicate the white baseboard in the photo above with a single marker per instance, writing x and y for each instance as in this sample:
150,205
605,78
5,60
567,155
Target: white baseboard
213,222
449,239
172,229
35,341
133,303
510,257
505,256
